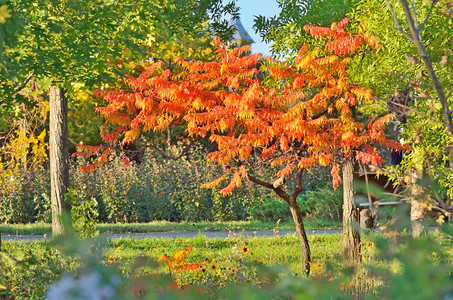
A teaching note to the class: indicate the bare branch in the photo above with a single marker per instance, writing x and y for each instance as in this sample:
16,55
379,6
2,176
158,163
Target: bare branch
24,84
414,9
427,16
372,208
429,66
397,23
441,202
409,109
279,191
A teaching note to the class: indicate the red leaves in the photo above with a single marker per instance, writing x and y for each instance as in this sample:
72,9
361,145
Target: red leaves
286,170
370,156
306,122
345,45
335,173
342,43
178,261
284,143
268,152
87,150
236,181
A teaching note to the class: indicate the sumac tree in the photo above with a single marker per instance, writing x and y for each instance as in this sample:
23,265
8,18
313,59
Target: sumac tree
306,119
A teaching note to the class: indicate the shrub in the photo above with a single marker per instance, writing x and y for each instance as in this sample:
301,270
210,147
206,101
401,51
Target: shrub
84,212
152,189
25,198
322,203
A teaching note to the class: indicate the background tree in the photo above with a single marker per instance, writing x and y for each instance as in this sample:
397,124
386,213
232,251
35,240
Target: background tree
285,30
309,122
417,100
78,42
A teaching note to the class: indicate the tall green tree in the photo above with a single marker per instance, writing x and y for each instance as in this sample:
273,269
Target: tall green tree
412,72
64,43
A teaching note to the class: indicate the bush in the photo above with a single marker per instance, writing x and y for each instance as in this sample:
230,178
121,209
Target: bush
271,209
322,203
156,189
84,212
25,198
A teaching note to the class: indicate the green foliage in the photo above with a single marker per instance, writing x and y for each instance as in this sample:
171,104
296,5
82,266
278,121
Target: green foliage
79,44
424,269
271,209
322,203
396,71
26,269
154,189
285,30
84,212
25,199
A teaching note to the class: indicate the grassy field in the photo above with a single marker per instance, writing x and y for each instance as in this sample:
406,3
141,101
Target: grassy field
40,263
394,266
232,260
164,226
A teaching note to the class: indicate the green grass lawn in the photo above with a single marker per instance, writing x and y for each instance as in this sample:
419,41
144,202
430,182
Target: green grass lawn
163,226
40,263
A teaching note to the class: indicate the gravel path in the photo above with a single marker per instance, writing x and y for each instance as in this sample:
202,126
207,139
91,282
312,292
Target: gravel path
174,235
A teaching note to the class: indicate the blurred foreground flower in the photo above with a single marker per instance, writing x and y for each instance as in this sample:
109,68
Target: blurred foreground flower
88,286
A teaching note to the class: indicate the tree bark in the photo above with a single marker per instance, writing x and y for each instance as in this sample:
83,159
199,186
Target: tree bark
417,215
59,166
351,243
418,210
300,230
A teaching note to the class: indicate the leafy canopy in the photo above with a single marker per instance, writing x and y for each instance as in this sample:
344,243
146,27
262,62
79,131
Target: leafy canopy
310,121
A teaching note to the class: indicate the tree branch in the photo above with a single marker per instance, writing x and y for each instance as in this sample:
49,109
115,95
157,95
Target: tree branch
414,9
428,65
165,155
24,84
279,191
427,16
299,189
20,87
398,26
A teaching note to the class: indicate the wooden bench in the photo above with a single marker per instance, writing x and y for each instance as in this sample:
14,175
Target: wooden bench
367,219
381,204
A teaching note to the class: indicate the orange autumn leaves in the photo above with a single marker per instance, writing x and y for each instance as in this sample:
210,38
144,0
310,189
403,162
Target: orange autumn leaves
310,121
178,261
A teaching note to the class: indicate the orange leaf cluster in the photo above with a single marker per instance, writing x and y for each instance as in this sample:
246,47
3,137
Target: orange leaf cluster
342,42
178,261
309,122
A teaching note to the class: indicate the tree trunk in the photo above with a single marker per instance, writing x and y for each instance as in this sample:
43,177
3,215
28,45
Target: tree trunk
417,215
59,167
351,236
418,210
295,212
300,230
